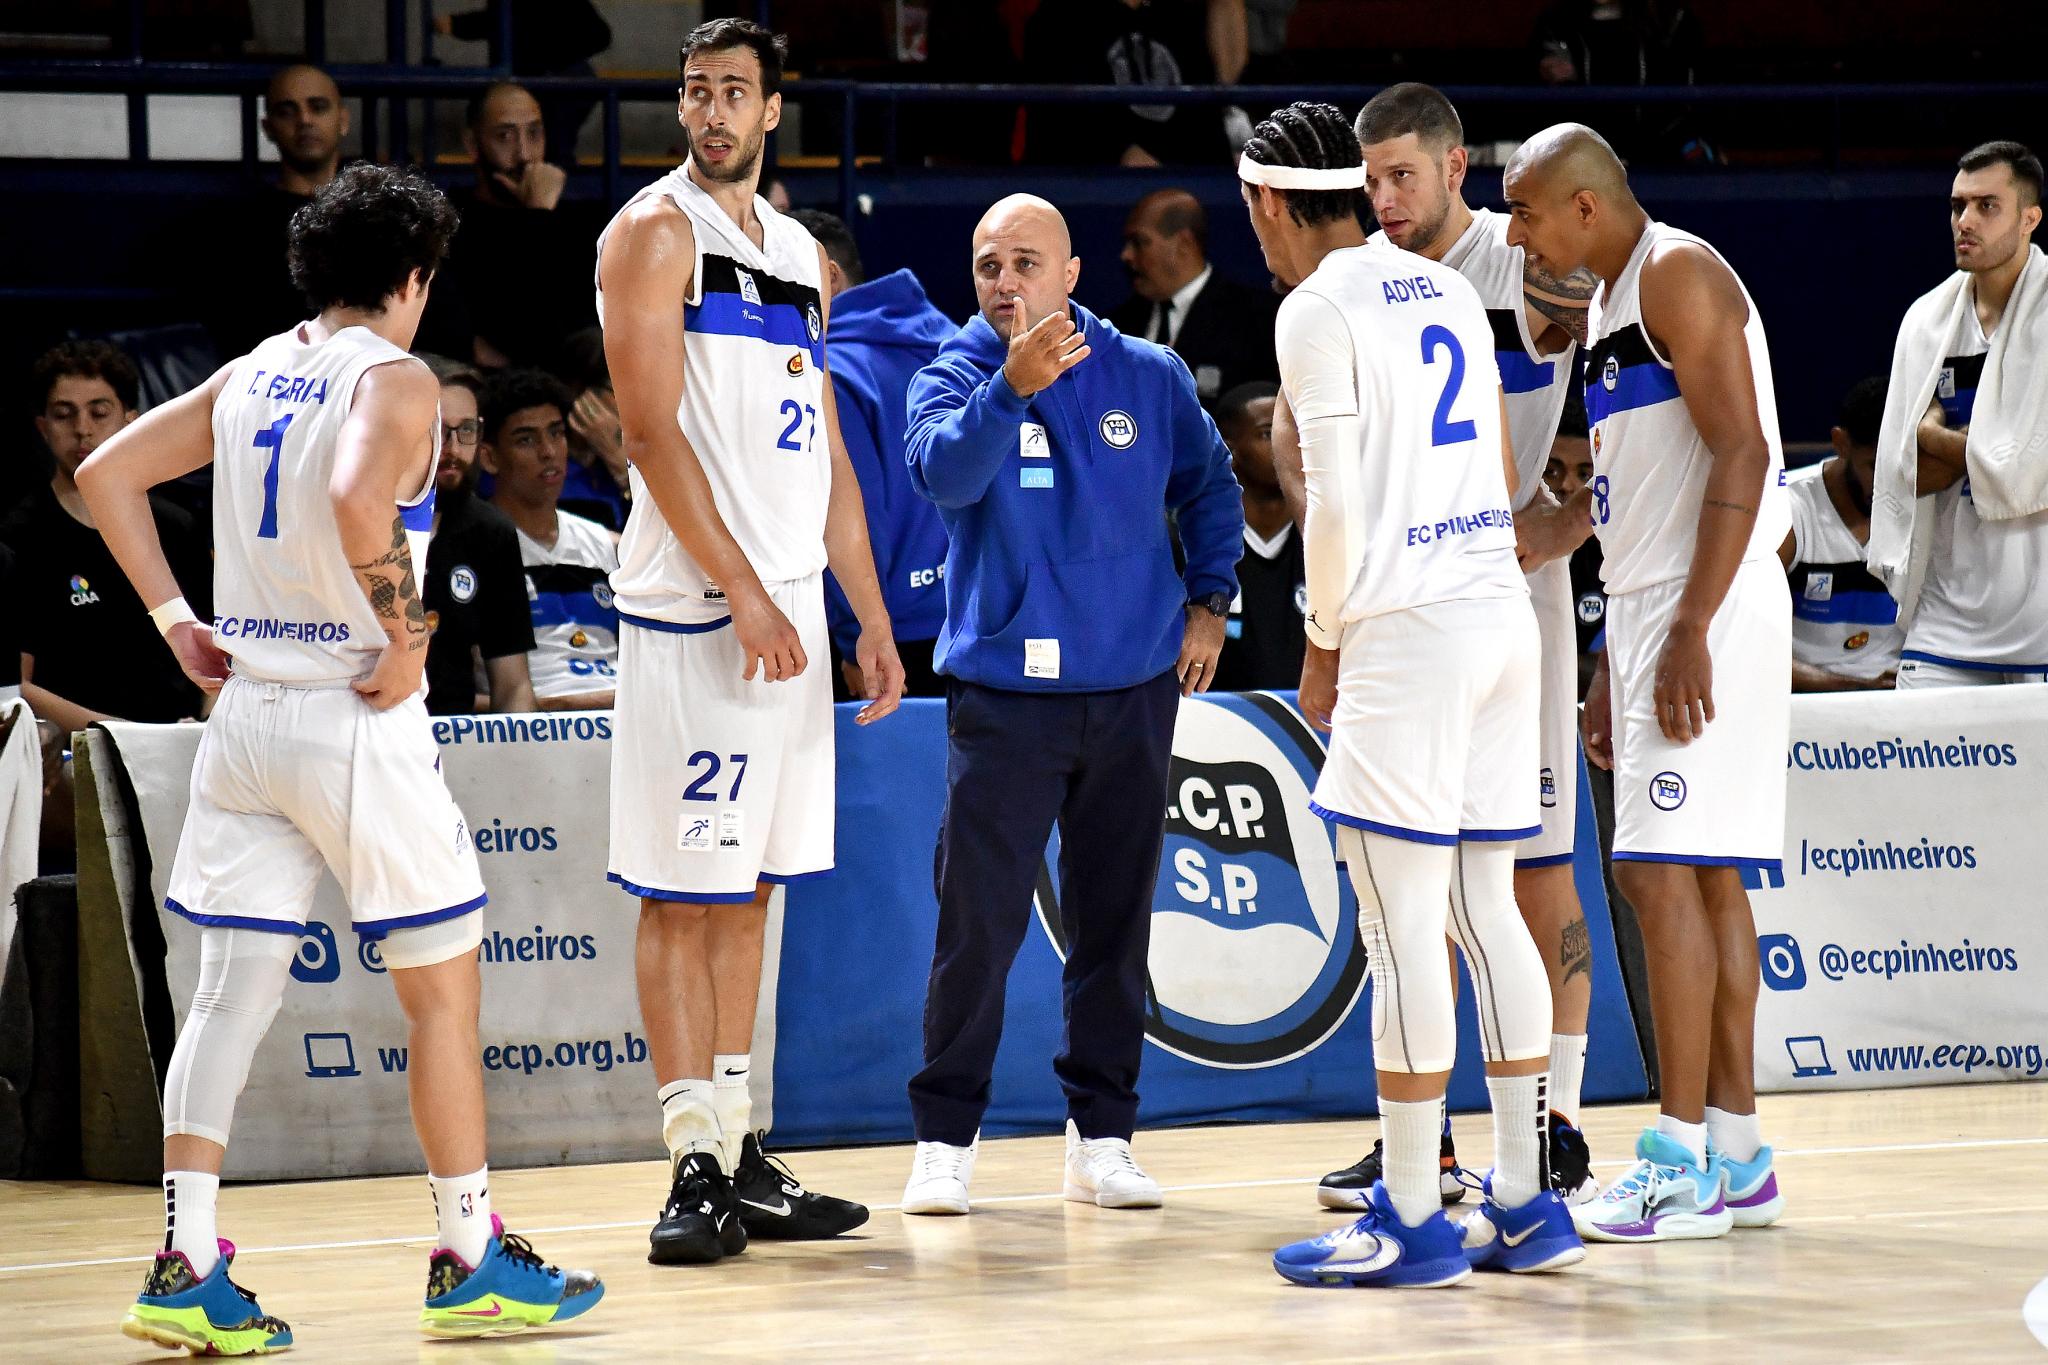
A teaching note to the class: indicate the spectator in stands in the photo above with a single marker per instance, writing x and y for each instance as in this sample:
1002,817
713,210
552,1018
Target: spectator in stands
1222,329
520,264
1263,639
305,119
881,333
87,649
475,591
1570,468
568,559
597,485
1122,42
1845,633
549,38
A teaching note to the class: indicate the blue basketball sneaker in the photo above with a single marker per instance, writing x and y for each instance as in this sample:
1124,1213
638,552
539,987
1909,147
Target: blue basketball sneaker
1377,1249
1537,1236
211,1316
509,1290
1751,1189
1664,1197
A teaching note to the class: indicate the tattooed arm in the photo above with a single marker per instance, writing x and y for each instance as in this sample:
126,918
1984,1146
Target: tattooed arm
381,456
1557,308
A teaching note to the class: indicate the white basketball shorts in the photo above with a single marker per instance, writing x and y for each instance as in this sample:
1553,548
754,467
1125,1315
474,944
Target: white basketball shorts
1557,734
1718,801
1434,737
719,783
289,779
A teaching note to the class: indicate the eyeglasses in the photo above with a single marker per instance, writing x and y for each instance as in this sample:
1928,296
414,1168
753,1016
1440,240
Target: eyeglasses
462,433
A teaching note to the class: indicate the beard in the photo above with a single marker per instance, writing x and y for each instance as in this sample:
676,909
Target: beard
1427,233
1992,254
745,161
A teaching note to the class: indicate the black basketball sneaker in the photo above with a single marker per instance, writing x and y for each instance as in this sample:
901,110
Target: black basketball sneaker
1571,1162
775,1207
701,1221
1351,1188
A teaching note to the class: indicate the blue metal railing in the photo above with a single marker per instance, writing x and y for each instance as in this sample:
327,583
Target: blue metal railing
393,86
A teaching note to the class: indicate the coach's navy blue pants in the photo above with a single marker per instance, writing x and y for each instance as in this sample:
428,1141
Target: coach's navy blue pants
1015,762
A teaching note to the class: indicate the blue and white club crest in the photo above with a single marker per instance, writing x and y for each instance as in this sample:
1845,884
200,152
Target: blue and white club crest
1610,373
1256,957
814,322
1118,430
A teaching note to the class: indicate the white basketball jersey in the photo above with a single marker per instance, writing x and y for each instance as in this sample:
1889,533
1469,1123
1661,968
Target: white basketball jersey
1649,464
1536,385
753,409
575,621
1401,344
287,607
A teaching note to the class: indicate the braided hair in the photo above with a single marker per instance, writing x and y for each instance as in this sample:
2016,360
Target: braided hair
1316,137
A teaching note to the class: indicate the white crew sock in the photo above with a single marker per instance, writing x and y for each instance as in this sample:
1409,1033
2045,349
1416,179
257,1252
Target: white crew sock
462,1208
189,1226
1411,1131
689,1119
1691,1136
1521,1119
1567,1073
732,1102
1736,1136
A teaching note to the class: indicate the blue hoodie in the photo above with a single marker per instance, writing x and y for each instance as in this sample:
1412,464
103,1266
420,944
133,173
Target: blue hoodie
1060,576
880,334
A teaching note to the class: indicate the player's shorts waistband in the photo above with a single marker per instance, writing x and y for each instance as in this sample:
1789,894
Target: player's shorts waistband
294,684
675,627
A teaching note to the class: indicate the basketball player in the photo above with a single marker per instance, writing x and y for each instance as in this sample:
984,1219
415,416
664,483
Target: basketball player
323,443
722,784
1690,702
1415,163
1421,662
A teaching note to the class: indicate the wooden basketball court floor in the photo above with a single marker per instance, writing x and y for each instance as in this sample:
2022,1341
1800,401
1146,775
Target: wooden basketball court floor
1914,1234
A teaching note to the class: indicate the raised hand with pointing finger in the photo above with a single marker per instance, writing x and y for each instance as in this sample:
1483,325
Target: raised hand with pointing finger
1042,353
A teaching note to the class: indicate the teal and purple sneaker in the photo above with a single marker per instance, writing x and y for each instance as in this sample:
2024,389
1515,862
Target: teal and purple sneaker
1665,1197
509,1290
1751,1189
206,1316
1379,1250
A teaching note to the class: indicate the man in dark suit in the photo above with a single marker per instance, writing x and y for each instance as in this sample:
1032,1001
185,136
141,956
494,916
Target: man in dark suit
1222,329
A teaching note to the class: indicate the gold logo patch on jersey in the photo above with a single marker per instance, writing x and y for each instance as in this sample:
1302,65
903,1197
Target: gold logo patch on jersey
1857,641
796,365
578,640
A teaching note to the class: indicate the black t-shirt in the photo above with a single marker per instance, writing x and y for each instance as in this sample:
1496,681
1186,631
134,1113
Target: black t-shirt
521,276
78,617
248,236
475,598
1263,640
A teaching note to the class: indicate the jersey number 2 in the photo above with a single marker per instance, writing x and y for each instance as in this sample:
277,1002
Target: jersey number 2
272,439
797,411
1442,430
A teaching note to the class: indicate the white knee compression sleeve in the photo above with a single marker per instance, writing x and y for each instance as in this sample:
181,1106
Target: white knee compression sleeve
424,945
242,975
1403,888
1510,988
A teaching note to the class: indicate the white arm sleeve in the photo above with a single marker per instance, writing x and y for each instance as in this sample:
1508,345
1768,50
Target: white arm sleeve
1320,373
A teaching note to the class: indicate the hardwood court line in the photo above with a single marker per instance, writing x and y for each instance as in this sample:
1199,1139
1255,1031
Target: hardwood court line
422,1238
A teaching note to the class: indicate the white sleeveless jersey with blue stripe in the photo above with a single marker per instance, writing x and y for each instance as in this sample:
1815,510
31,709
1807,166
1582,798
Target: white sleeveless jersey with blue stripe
1649,464
287,607
753,409
1536,385
1843,619
1402,343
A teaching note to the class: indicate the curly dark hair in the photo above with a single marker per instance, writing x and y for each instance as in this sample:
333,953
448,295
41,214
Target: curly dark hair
771,49
364,235
87,360
510,391
1315,137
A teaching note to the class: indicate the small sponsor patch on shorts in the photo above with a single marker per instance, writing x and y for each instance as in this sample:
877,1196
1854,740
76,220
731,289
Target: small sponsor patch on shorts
731,828
693,832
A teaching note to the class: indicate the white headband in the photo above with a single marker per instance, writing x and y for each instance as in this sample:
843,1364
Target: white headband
1300,177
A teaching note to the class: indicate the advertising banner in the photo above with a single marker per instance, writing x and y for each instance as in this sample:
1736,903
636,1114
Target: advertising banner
1257,1007
1904,943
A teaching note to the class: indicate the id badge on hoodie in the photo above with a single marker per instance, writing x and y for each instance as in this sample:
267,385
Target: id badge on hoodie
1042,658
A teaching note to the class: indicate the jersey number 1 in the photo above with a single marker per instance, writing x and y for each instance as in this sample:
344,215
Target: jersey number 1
271,438
1442,430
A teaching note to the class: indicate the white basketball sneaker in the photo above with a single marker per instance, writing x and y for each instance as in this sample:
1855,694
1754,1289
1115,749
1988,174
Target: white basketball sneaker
939,1176
1102,1172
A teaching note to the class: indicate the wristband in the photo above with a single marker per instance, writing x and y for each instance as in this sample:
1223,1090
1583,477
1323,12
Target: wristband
172,613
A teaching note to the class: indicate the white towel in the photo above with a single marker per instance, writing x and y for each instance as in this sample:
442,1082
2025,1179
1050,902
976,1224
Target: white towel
21,813
2006,451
